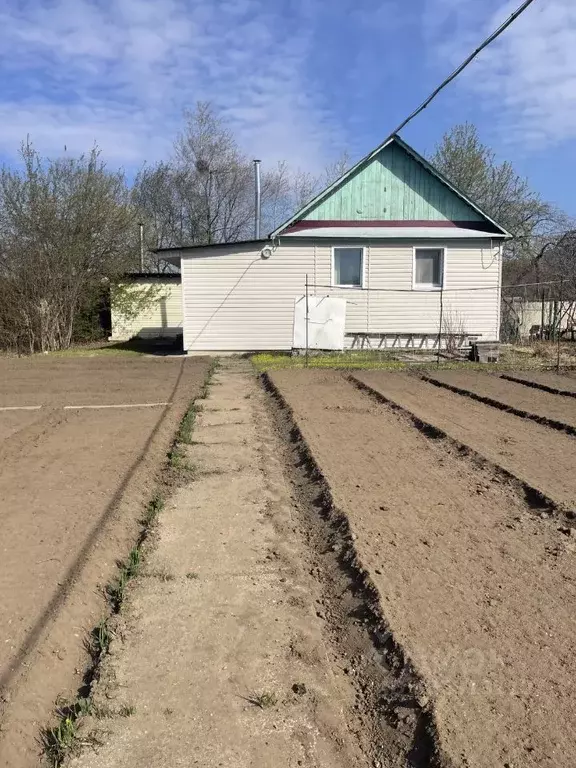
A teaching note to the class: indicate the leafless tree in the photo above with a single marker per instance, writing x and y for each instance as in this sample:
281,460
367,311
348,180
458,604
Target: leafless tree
205,192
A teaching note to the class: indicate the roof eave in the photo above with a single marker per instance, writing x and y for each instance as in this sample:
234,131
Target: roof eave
196,246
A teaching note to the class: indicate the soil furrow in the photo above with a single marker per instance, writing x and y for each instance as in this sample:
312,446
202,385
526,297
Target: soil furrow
547,382
478,593
384,674
540,458
537,406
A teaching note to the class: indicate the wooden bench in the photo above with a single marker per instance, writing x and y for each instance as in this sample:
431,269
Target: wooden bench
377,341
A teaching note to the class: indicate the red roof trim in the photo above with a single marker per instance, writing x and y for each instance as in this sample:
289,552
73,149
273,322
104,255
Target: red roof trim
481,226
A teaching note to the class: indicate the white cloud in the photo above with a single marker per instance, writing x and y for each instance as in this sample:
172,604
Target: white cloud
527,78
120,72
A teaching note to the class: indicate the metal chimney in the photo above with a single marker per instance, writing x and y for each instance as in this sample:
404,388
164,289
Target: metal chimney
257,200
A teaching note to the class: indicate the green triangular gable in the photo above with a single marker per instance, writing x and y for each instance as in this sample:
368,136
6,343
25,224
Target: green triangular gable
392,183
392,186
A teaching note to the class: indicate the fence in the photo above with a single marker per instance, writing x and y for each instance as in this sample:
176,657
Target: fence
450,335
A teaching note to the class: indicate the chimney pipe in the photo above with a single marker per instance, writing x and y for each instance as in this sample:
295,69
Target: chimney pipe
257,201
141,227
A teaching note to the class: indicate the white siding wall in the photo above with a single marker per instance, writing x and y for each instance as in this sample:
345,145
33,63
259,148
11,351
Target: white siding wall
234,300
161,318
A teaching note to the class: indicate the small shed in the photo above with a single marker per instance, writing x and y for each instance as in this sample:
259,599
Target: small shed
147,306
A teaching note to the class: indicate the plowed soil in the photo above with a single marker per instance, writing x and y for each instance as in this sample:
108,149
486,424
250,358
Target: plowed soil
532,403
73,484
478,590
541,457
553,382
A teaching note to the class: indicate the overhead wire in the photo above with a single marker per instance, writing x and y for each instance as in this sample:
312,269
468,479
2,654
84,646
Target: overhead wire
359,289
462,66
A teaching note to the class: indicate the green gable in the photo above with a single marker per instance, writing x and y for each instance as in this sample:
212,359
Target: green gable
392,186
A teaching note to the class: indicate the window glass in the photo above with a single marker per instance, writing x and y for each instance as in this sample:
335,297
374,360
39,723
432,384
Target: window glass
348,266
428,267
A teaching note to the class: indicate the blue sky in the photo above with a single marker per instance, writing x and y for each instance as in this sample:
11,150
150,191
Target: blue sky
299,80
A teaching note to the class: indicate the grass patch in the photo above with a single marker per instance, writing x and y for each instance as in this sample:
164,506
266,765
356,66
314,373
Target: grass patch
535,356
103,713
100,639
177,459
155,506
264,700
192,575
116,590
96,352
64,740
186,428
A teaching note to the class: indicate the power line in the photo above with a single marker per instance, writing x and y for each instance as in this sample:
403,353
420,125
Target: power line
462,66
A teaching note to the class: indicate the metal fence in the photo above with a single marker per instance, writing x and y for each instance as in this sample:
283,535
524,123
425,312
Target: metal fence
557,320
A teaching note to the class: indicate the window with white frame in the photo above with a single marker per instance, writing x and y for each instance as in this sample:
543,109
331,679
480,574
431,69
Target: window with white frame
348,267
428,267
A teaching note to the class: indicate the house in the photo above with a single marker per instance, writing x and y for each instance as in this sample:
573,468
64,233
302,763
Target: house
147,306
392,237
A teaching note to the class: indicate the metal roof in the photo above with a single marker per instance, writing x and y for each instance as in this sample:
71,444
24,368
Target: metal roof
210,245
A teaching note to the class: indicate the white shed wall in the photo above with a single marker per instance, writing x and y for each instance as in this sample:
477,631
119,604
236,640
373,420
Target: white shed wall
234,300
162,318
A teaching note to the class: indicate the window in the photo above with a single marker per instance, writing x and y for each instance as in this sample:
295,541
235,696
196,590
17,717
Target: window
428,267
348,266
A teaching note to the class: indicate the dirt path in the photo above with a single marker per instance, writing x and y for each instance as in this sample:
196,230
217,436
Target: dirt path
73,485
478,591
227,657
542,458
550,409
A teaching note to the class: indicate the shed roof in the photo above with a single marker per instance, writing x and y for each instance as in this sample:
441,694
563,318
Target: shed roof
172,248
153,275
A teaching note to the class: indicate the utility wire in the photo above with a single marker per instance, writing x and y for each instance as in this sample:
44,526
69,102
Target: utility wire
462,66
427,290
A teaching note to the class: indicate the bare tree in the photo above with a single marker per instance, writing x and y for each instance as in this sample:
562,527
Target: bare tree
205,192
66,230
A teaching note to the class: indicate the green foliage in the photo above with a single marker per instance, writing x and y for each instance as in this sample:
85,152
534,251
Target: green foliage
116,590
362,360
155,506
186,428
101,638
495,186
63,739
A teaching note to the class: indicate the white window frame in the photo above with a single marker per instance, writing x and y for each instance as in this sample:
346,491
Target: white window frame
429,286
335,248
